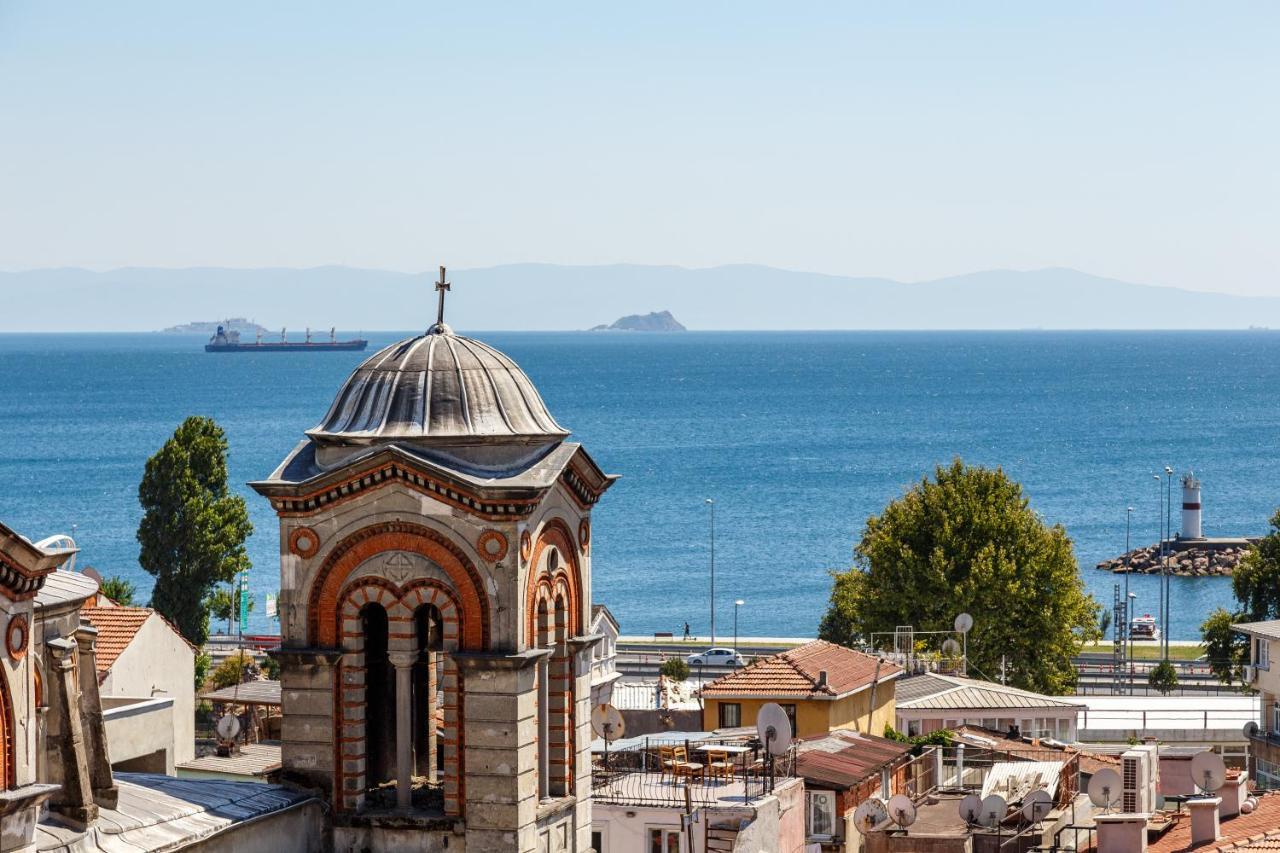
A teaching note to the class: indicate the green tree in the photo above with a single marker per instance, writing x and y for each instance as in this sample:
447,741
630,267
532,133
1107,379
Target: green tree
1163,678
223,607
675,668
193,529
1226,650
235,669
119,590
968,541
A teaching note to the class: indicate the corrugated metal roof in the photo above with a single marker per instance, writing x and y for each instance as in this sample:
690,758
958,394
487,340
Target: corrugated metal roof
263,692
842,759
64,587
1013,780
951,693
1270,629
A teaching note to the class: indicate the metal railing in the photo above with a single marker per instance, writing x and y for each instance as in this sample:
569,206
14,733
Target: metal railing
637,776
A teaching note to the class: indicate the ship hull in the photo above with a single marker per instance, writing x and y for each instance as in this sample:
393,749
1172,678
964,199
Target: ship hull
322,346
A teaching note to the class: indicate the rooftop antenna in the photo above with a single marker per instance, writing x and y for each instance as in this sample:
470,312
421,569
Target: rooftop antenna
971,808
1208,772
870,813
1250,730
607,723
1105,790
901,810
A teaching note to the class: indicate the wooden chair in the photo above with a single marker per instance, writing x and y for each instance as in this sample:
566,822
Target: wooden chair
684,768
667,761
719,765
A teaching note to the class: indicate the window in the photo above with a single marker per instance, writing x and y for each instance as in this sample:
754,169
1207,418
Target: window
1263,659
597,841
913,728
791,715
822,813
664,840
730,715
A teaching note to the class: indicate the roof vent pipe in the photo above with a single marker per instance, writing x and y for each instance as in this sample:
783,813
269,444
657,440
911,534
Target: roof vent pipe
822,678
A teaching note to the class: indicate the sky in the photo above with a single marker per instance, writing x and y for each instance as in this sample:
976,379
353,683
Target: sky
911,141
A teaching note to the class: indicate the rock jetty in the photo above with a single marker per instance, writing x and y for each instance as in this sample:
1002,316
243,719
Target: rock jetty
1189,562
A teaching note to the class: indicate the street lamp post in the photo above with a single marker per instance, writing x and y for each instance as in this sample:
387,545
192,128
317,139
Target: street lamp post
1163,565
1168,529
711,503
1133,598
736,605
1123,630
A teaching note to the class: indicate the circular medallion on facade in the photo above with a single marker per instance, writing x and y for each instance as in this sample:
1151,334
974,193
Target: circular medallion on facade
526,545
584,534
492,545
304,542
16,637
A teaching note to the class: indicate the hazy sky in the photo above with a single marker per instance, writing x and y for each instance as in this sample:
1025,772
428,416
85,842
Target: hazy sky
908,140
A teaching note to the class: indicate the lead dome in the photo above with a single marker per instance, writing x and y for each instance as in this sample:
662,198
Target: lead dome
440,391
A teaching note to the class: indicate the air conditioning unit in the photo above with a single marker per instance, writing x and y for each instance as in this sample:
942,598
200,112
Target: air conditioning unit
1139,773
1250,673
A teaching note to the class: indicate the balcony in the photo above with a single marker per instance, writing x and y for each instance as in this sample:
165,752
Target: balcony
634,776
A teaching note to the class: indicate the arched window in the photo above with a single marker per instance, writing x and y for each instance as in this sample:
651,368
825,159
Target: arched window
428,757
380,698
561,705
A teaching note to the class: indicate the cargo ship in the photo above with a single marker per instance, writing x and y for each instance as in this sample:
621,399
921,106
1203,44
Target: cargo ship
225,340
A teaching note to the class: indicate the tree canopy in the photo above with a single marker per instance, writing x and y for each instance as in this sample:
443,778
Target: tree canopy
1256,585
968,541
119,590
193,529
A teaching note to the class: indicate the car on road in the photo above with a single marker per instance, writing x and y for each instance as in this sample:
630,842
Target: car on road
716,657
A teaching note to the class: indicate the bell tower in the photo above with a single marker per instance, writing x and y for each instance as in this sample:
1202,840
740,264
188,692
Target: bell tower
435,591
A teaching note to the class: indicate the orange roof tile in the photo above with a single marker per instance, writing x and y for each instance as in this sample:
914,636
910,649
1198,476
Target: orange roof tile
1246,832
117,626
794,674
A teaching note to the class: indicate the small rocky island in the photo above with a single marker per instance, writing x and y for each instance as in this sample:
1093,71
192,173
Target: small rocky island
208,327
1204,559
657,321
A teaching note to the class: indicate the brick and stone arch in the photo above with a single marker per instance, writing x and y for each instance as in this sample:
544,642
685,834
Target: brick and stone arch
402,607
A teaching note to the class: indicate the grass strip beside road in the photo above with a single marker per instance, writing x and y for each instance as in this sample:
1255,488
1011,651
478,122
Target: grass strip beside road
1148,651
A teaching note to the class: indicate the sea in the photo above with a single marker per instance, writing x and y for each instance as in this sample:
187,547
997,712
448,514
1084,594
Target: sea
797,437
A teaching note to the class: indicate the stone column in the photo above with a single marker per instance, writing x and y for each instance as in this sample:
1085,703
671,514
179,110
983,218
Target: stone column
75,800
403,662
544,727
105,793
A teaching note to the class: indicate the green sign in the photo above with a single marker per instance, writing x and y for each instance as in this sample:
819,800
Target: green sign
244,602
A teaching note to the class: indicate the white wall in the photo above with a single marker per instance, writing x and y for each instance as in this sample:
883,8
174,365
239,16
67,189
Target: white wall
159,663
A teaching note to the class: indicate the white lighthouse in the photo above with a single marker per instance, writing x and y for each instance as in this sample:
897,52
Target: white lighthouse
1190,507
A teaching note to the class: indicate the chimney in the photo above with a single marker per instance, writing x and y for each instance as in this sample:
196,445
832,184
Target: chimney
1204,820
1233,793
1121,833
822,678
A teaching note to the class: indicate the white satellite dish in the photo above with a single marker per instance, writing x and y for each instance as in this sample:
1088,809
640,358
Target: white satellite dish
1036,805
994,808
971,808
869,814
1208,771
228,727
950,648
901,810
1104,789
964,623
607,722
774,728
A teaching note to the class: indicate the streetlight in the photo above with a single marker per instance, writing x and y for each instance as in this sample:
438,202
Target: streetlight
1163,565
712,504
1123,636
1168,529
1133,597
736,605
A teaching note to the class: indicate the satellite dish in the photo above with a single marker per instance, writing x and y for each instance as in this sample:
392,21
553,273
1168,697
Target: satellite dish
971,808
1105,789
901,810
869,814
607,722
1036,805
964,622
228,727
950,648
1250,729
774,728
1208,771
994,808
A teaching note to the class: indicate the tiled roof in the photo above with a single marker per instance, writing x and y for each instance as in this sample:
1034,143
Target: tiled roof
794,674
951,693
842,759
117,626
1246,832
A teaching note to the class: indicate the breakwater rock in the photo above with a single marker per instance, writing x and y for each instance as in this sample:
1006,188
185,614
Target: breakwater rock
1190,561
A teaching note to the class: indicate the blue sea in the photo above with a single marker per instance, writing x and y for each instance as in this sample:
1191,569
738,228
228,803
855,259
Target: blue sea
797,436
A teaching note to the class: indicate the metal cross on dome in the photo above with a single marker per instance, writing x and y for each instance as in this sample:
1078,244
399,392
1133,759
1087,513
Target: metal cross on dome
441,287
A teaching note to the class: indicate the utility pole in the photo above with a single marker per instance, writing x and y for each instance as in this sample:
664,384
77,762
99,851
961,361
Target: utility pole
1168,527
711,503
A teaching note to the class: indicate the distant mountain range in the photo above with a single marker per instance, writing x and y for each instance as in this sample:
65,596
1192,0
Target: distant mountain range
550,297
